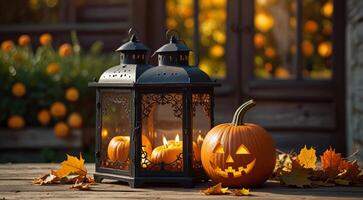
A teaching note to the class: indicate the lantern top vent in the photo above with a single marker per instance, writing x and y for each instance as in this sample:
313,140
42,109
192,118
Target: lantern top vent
133,62
174,45
133,45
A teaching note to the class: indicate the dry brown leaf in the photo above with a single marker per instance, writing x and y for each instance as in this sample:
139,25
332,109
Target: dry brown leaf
71,179
307,157
72,165
81,186
351,172
297,178
344,165
89,180
339,181
46,179
283,164
216,190
319,175
72,171
303,171
322,183
241,192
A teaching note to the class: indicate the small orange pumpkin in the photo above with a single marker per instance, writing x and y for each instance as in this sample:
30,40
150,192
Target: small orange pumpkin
167,153
119,146
170,152
238,154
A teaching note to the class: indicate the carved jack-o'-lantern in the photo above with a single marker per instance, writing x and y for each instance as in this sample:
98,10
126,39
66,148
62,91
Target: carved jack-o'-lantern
237,154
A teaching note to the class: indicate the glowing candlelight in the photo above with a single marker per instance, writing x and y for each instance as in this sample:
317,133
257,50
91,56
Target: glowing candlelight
200,139
177,139
165,142
104,133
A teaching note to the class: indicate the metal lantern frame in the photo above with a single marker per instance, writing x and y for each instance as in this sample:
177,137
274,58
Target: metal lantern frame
171,76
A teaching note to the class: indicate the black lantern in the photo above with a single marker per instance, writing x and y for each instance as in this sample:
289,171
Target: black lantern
151,121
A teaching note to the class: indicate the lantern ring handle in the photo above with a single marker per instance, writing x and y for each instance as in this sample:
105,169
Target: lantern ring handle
172,32
132,31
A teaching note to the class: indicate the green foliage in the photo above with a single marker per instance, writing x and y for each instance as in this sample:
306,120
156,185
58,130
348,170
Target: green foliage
29,67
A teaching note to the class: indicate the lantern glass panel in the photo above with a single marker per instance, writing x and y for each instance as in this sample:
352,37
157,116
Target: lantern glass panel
201,124
116,129
162,130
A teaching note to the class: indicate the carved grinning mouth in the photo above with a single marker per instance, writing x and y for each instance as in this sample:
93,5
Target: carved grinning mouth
233,172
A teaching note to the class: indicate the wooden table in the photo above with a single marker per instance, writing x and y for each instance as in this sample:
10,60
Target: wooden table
15,183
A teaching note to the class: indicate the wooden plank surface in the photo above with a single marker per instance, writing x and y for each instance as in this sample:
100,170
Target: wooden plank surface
15,183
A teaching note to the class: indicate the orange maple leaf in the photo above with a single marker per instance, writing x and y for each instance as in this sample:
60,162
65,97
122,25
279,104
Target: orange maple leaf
330,159
72,165
330,162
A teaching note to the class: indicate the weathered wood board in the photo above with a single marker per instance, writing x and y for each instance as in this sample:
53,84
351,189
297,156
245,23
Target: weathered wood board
31,144
15,183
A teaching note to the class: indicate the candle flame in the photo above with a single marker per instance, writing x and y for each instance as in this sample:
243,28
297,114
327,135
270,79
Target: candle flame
200,139
165,142
104,133
177,139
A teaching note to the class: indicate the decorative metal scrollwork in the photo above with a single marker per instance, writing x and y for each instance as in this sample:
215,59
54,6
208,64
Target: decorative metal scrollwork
202,100
175,100
122,165
176,165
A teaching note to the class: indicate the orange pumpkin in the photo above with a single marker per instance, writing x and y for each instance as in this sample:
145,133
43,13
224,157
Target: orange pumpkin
170,152
238,154
167,153
119,146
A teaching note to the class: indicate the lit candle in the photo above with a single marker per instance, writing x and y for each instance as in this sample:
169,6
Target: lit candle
200,140
168,152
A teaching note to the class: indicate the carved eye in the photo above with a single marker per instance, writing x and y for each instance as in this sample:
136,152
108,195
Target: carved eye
242,150
218,149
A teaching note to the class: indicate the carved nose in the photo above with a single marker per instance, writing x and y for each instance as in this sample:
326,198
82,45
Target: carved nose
229,159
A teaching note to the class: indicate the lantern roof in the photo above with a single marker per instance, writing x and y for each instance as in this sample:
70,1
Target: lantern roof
173,67
174,45
132,65
172,74
132,45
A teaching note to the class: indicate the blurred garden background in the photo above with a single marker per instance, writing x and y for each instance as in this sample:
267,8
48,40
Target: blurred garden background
288,55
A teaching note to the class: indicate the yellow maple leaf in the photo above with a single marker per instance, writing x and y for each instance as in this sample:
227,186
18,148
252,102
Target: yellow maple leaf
241,192
215,190
307,157
72,165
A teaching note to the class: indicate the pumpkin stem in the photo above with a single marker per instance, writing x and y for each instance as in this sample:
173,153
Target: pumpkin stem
234,119
241,111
